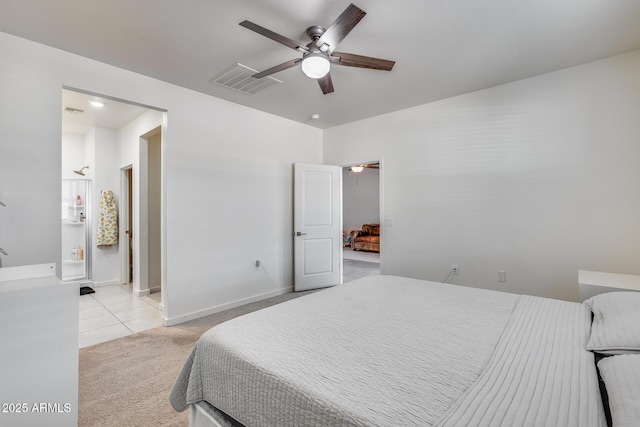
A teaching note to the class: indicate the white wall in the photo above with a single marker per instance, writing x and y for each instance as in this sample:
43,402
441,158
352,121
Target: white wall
539,178
129,135
360,198
228,177
106,259
100,149
30,182
72,155
134,151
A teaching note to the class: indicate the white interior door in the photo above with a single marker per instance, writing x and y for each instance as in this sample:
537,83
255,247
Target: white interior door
317,226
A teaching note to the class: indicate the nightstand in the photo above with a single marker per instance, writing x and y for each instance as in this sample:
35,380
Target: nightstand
595,282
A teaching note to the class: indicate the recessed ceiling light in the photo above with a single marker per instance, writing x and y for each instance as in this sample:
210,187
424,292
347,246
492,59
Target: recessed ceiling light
315,116
97,104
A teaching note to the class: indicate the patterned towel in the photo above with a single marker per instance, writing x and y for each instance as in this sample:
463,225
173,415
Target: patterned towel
107,220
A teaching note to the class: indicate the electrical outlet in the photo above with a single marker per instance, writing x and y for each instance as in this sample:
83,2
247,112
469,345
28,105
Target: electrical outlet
502,276
455,270
257,265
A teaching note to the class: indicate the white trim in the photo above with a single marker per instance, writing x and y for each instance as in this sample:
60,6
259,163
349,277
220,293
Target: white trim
198,314
383,231
141,292
140,215
106,283
381,221
123,223
163,217
112,98
80,283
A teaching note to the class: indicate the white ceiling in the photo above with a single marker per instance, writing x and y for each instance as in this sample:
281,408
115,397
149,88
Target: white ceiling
112,115
442,48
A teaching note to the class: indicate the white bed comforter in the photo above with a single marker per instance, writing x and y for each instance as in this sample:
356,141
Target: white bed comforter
387,350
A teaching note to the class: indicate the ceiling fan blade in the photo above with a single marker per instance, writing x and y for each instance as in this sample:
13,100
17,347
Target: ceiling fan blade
326,84
341,27
277,68
352,60
274,36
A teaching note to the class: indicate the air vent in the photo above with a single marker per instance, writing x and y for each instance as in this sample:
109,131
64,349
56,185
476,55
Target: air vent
238,78
73,110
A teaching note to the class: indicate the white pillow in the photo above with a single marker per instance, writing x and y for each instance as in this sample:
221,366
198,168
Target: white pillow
616,323
621,376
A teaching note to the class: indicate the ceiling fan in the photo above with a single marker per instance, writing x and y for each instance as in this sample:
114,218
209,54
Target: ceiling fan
319,54
359,168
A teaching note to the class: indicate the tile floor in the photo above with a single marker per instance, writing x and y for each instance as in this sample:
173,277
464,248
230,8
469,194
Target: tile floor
114,311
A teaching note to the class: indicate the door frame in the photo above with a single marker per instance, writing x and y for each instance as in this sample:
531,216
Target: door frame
126,211
383,221
139,226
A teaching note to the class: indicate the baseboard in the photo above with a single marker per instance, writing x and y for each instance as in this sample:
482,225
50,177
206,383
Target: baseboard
106,283
141,292
145,292
213,310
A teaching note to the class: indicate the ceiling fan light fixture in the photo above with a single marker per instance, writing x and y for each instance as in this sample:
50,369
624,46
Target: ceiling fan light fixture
318,55
315,65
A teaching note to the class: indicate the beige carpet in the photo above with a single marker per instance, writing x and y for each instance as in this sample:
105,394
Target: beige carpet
126,382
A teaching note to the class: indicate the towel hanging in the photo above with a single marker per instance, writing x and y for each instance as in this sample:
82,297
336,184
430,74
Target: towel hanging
107,220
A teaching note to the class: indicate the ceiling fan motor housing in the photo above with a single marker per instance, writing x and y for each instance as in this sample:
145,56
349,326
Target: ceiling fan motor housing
315,32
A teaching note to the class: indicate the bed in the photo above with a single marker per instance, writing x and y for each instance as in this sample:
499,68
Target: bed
388,350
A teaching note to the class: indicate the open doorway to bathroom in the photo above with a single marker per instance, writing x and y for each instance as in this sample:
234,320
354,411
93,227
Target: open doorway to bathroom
141,218
361,221
117,146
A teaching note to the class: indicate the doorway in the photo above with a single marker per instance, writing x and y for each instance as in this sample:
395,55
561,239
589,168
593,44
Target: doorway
127,224
141,211
109,140
362,240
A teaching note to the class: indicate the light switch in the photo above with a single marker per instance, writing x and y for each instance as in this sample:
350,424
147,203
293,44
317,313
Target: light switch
388,222
502,276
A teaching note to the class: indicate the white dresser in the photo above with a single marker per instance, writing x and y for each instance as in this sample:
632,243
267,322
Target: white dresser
38,348
595,282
